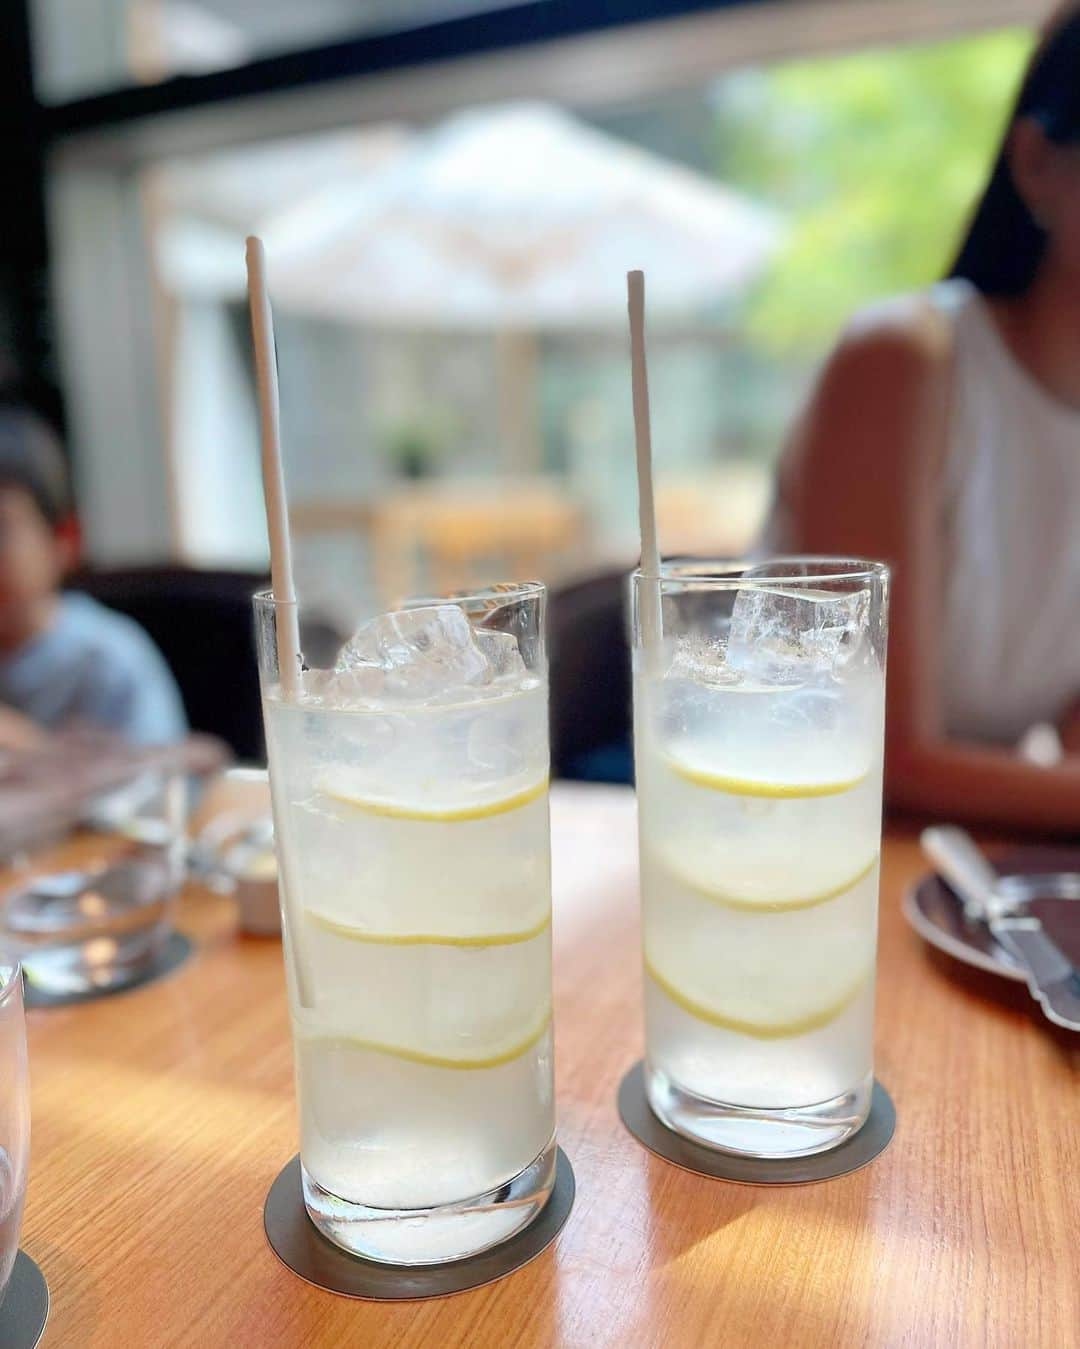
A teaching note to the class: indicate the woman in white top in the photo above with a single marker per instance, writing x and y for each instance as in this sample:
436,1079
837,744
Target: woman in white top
944,435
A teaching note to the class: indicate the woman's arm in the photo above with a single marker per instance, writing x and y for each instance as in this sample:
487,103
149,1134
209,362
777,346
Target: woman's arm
1069,730
865,480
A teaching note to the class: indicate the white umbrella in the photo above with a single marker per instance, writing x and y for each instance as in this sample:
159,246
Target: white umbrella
511,220
205,207
518,218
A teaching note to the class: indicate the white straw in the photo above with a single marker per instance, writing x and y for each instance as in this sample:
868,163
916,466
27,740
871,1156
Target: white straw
639,379
286,626
277,519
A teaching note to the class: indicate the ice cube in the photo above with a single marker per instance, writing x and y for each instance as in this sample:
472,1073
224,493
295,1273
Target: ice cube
783,635
702,658
420,653
356,687
500,650
427,654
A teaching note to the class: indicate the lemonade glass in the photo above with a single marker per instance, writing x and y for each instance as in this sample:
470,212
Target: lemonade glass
411,824
14,1114
759,720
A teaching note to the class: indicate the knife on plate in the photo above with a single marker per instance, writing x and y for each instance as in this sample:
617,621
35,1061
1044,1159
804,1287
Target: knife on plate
1053,980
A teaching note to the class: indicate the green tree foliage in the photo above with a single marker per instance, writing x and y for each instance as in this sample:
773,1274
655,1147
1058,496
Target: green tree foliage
875,160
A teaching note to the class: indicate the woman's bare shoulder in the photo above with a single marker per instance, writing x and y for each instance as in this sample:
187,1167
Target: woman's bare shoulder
885,385
905,335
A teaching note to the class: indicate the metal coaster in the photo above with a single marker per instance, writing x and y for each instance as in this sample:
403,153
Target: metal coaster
298,1243
872,1138
24,1308
171,954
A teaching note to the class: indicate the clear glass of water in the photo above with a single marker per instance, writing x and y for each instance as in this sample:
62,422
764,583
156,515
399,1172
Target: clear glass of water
14,1115
758,727
97,928
409,778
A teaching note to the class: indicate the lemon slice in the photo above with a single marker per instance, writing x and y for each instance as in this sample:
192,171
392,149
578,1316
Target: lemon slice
360,934
497,1057
764,976
766,903
435,814
761,1029
735,785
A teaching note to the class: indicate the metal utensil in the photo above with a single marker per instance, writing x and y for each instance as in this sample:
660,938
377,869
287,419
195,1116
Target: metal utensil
1051,977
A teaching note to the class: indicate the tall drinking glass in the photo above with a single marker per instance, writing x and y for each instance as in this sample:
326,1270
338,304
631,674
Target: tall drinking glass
14,1116
759,718
410,794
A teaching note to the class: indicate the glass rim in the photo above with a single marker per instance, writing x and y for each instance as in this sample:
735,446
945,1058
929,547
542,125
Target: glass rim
12,981
499,590
730,573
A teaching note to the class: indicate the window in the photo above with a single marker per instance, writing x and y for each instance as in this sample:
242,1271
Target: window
447,261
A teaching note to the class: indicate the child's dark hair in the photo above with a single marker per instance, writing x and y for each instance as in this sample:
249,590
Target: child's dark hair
1005,244
31,458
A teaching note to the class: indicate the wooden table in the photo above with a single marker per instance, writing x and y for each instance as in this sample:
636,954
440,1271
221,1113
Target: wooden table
161,1117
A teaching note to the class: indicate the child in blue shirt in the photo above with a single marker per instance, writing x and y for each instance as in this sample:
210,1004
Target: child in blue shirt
64,659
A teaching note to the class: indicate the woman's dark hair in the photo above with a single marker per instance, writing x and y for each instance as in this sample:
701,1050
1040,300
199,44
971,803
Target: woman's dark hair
1005,244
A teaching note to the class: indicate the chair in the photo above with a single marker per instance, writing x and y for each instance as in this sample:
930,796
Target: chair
201,621
590,679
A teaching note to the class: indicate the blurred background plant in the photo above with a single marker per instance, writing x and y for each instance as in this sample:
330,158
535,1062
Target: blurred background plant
875,158
415,445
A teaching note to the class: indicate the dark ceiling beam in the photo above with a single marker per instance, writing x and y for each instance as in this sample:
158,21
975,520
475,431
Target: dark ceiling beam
514,26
